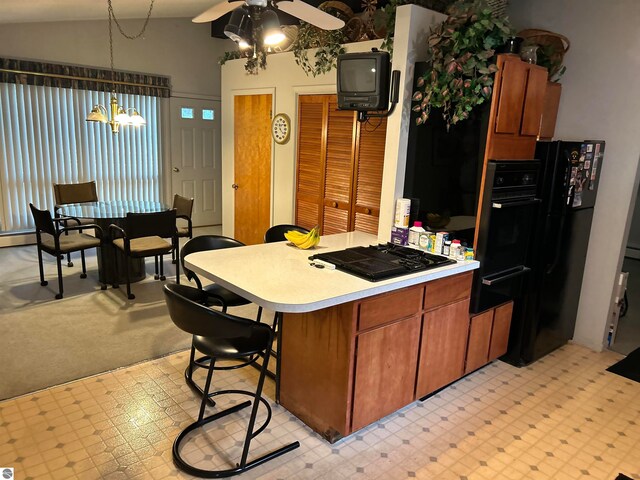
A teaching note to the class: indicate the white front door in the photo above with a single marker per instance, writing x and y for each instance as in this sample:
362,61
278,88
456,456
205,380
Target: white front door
196,157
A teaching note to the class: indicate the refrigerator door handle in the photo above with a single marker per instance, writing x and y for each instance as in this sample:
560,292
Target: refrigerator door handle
520,203
505,275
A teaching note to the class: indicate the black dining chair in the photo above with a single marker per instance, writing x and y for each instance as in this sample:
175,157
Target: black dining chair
276,233
225,337
53,239
66,193
184,209
143,235
220,295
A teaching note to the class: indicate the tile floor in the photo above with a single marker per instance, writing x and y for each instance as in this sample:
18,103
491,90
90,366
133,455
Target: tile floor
562,418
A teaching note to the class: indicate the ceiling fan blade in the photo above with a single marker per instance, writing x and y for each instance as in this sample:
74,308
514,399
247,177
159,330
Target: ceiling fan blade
217,11
310,14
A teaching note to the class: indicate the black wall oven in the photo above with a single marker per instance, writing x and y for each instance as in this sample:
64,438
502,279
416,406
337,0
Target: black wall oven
508,211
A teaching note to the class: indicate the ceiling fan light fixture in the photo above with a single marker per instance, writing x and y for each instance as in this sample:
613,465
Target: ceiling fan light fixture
239,27
271,27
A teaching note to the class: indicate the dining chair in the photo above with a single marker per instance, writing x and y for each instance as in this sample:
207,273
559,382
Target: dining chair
276,234
51,238
220,295
237,341
184,209
143,235
66,193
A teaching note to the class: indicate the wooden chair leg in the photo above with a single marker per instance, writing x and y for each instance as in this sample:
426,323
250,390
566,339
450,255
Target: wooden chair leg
116,269
43,282
84,265
130,295
60,290
100,251
156,276
162,277
176,252
69,262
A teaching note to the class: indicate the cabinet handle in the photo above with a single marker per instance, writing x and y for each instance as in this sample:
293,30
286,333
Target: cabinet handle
234,186
367,211
334,204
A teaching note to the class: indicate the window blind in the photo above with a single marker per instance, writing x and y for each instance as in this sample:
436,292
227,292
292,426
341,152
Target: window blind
44,139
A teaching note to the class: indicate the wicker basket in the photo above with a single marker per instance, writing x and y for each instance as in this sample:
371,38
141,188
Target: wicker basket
556,44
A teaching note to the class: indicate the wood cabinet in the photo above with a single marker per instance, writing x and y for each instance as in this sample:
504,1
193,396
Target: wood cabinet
550,111
488,336
385,371
442,347
347,366
516,109
339,167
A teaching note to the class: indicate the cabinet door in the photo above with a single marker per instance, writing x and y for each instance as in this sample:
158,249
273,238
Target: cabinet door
500,331
512,91
443,347
312,131
533,101
368,187
550,111
386,362
339,166
479,340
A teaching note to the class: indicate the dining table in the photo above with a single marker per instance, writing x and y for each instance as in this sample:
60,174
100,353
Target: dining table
103,214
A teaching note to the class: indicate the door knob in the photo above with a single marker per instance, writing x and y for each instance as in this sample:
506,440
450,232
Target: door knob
234,186
176,169
334,204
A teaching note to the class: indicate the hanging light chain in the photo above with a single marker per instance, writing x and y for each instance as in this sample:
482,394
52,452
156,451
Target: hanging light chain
124,34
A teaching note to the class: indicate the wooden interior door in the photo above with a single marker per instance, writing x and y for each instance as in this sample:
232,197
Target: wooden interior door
368,182
312,144
252,167
339,169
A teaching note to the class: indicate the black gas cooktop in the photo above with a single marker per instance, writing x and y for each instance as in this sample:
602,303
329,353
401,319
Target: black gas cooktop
379,262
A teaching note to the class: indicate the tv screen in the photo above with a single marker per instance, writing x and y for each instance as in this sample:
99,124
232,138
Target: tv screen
363,81
358,75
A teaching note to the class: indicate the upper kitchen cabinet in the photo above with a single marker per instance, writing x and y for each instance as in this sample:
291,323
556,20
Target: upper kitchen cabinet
550,111
339,167
516,109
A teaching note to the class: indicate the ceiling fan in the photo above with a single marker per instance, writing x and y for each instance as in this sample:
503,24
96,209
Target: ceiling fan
258,10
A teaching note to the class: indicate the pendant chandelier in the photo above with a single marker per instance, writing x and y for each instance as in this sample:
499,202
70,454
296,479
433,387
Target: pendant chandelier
118,114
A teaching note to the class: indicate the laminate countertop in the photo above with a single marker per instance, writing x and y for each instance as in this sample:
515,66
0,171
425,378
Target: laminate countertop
278,276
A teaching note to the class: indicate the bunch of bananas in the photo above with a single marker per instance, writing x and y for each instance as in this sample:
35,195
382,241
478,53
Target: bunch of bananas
304,240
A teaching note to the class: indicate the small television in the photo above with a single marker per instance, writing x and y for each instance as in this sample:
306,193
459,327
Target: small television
363,81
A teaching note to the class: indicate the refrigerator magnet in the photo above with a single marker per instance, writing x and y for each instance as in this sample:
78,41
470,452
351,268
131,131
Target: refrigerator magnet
587,165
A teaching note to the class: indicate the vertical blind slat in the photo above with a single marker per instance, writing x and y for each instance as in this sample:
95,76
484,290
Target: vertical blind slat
46,140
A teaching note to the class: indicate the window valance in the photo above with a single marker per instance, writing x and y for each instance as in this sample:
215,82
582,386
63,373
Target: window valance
28,72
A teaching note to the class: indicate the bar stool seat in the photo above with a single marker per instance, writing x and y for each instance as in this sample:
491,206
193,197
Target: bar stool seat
221,336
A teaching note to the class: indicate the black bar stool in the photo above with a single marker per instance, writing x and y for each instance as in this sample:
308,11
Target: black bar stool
223,336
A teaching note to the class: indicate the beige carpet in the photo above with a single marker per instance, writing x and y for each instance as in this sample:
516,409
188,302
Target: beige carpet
46,342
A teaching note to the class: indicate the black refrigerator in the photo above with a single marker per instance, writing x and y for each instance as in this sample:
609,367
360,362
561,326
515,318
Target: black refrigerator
568,186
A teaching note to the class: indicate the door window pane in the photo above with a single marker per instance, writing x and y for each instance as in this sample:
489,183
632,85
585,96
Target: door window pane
207,114
186,112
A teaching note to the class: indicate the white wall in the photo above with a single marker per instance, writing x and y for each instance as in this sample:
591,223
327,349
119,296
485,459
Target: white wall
175,47
600,100
286,80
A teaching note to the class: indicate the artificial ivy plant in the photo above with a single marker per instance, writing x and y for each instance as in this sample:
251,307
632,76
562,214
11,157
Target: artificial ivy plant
329,44
461,61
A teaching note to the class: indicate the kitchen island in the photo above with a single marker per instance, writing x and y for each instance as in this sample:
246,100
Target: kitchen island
351,351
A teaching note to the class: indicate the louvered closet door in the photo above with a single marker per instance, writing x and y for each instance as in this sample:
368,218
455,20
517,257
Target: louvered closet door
312,111
341,136
370,161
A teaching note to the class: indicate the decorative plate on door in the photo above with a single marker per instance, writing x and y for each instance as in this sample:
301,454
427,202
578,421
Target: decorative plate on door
281,128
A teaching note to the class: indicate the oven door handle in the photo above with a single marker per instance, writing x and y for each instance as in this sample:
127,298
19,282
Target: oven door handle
505,275
520,203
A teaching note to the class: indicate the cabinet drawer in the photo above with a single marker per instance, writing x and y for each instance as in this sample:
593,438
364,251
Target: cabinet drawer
447,290
386,308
